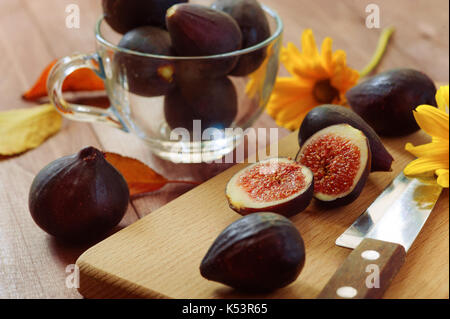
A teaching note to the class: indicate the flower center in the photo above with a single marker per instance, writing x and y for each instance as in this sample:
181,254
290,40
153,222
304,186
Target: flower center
324,92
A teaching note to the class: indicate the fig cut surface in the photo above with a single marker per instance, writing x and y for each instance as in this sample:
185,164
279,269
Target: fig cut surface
340,159
277,185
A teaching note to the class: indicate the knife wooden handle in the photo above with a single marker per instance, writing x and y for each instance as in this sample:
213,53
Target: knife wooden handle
367,272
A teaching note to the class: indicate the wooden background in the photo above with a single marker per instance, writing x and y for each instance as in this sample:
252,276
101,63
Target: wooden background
32,33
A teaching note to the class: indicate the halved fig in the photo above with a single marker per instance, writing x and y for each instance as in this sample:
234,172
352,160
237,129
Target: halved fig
340,159
277,185
323,116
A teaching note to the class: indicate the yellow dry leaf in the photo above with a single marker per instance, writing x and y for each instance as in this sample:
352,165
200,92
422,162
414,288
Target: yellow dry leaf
24,129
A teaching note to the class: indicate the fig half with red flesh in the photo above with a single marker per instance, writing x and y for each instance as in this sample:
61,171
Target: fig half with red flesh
323,116
277,185
340,158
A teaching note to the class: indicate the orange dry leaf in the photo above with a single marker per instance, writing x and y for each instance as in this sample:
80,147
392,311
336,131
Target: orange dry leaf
141,179
80,80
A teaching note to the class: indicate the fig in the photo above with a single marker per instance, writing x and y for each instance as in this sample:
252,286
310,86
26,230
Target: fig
147,76
214,102
78,198
125,15
260,252
277,185
387,100
326,115
340,158
198,31
255,29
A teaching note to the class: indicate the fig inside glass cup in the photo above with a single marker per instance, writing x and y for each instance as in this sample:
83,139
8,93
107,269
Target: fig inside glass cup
201,120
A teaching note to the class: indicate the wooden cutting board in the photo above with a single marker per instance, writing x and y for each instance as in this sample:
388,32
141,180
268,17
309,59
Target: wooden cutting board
159,256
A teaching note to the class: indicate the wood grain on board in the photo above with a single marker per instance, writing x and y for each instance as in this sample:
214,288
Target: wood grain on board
33,33
159,256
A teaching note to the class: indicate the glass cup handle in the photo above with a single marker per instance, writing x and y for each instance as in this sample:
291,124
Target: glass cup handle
62,69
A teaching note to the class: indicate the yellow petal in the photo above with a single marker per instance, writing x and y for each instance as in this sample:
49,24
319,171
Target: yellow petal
426,164
296,122
289,57
278,102
327,54
292,86
432,120
293,97
309,47
443,177
344,79
302,65
430,149
24,129
310,71
290,113
286,92
294,109
442,98
339,58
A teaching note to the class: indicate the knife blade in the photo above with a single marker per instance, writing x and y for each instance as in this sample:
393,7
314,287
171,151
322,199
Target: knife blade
381,237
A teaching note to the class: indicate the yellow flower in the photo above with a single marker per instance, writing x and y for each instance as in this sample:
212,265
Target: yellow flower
432,157
317,78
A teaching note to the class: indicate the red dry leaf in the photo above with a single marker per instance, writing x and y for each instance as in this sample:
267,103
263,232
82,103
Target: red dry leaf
80,80
141,179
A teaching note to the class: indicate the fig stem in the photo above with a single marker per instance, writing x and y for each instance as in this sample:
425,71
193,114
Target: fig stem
379,52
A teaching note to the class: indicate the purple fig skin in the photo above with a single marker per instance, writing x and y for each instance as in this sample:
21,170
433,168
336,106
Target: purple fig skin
146,76
125,15
386,101
287,208
79,198
356,192
327,115
213,101
260,252
198,31
255,29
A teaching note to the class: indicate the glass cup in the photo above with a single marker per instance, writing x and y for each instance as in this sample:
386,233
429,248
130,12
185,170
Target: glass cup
179,106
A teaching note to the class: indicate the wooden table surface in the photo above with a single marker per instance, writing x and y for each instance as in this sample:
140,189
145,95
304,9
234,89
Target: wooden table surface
32,33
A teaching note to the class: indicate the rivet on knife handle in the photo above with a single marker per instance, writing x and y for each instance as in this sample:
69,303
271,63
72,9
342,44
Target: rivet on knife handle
367,272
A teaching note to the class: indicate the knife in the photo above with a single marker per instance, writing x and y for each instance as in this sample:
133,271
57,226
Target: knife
381,237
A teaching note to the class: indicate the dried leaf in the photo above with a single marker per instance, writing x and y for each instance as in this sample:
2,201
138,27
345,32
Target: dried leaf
80,80
141,179
24,129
